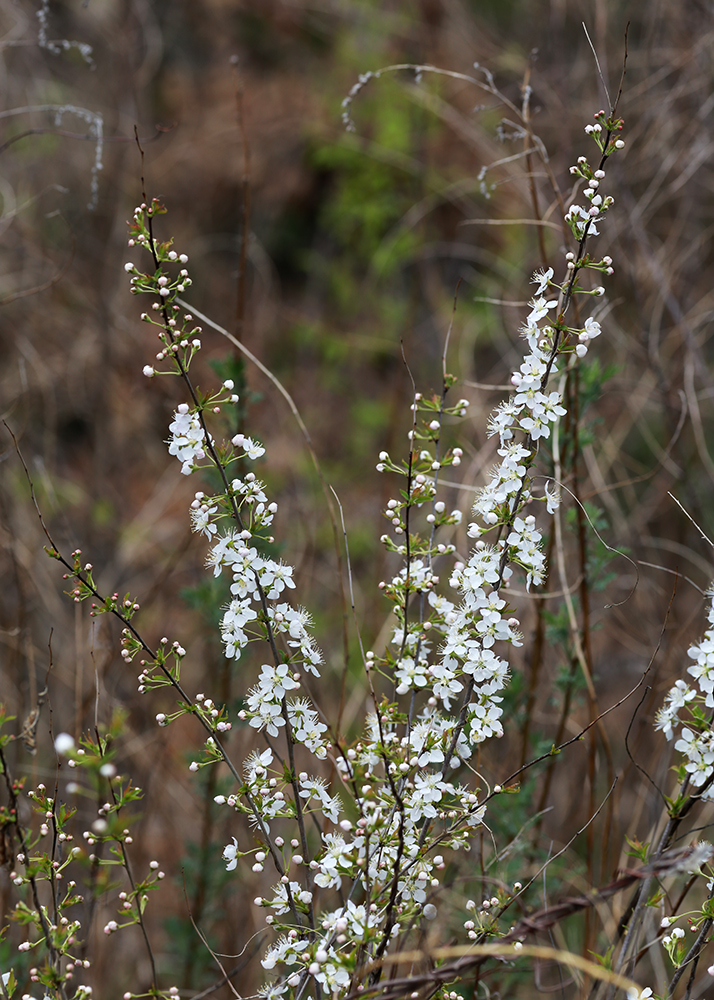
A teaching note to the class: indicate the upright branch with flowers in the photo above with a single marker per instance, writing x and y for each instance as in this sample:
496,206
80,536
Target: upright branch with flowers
355,832
362,868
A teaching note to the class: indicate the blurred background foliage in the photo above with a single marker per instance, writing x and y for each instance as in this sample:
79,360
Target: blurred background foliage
355,245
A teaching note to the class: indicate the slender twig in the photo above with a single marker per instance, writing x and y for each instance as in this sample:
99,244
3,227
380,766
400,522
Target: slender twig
214,956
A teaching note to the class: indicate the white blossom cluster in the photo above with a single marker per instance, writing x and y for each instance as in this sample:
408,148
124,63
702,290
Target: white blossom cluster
468,666
481,619
696,740
187,439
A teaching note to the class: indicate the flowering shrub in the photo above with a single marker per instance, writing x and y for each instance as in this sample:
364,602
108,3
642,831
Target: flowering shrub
358,831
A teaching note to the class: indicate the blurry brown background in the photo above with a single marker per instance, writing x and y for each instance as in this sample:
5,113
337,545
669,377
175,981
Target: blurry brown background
356,246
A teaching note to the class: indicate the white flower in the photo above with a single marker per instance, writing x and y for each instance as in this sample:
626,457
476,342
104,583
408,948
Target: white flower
253,449
676,699
333,978
232,631
428,790
275,577
502,418
271,991
483,721
317,788
296,621
578,218
286,949
700,753
410,675
542,279
592,328
187,438
337,856
539,309
275,682
256,765
230,854
201,520
536,427
267,715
